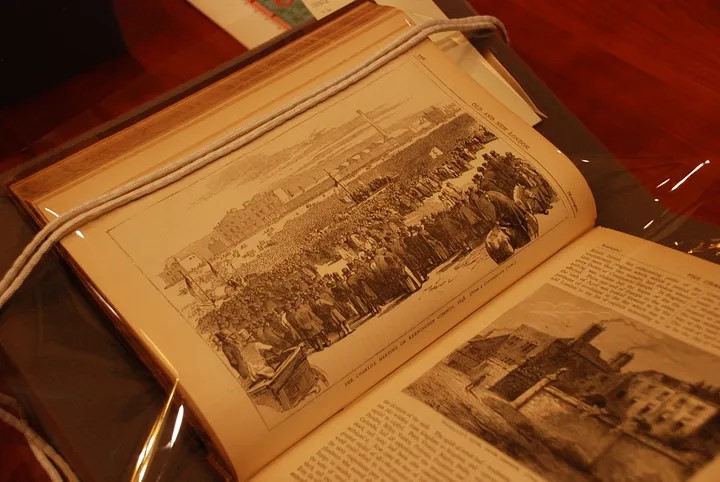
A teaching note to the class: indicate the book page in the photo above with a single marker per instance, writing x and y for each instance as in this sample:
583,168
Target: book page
282,281
601,365
457,48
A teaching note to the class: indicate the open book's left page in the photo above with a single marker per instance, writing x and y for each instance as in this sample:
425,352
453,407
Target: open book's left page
282,281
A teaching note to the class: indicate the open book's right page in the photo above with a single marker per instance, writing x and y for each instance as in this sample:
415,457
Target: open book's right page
601,365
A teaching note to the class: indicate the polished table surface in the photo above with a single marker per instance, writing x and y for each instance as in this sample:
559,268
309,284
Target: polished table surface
642,76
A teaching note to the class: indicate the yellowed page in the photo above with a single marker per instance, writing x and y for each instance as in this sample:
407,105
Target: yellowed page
603,364
199,270
457,48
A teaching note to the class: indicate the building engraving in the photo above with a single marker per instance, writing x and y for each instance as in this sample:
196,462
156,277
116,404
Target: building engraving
582,406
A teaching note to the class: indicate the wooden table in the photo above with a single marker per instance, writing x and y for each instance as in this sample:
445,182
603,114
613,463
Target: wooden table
644,77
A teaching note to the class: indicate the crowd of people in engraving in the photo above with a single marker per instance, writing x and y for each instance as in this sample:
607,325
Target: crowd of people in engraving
383,251
364,191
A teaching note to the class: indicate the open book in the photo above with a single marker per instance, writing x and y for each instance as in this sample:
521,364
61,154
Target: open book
287,281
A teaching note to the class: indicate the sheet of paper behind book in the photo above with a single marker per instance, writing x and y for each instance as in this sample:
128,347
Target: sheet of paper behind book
603,364
284,280
252,24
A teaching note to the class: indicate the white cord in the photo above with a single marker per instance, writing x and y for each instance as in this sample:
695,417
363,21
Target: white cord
164,176
37,443
45,463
